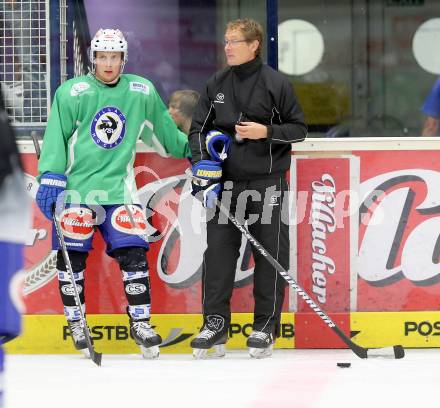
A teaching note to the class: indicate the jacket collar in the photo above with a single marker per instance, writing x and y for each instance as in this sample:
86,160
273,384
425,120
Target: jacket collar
248,68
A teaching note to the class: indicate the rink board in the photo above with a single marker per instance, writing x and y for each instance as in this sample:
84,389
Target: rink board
370,259
410,329
48,334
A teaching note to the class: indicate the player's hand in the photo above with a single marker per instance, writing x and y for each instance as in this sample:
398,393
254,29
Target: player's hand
205,183
52,185
251,130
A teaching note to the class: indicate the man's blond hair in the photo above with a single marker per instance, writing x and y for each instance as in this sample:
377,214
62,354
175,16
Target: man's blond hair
251,30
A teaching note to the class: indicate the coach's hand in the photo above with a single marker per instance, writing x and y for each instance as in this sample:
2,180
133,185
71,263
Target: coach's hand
251,130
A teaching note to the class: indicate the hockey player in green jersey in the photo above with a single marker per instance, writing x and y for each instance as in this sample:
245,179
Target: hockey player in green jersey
87,160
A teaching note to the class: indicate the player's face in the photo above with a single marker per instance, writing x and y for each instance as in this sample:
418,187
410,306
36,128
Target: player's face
237,50
108,66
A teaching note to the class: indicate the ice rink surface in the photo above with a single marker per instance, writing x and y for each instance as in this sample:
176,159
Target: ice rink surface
290,378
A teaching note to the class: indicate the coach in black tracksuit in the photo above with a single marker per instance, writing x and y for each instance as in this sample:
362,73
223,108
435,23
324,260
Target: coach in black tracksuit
256,106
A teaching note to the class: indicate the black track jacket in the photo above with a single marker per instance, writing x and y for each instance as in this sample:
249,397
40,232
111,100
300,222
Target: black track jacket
249,92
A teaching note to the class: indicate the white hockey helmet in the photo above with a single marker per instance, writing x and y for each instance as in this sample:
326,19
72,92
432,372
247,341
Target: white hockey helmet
108,40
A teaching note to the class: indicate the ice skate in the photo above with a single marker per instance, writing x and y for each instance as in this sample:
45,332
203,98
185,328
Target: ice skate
146,338
78,337
210,342
260,344
205,341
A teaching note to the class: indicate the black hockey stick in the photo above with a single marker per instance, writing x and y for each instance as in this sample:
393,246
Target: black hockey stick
94,355
393,351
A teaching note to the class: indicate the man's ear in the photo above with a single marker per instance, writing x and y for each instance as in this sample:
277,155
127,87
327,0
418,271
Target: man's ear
254,45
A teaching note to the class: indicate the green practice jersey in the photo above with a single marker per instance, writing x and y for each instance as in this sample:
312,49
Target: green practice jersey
91,136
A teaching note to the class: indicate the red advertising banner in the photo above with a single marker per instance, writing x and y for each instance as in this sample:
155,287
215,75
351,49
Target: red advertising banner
177,235
323,237
367,239
323,247
399,245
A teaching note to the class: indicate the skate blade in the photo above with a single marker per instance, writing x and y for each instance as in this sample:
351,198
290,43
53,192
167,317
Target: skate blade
217,351
260,352
150,353
86,353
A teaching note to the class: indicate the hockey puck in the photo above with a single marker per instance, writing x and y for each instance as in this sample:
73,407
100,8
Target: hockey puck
343,365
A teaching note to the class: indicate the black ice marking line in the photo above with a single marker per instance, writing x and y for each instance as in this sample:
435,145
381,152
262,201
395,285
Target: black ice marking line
393,351
95,356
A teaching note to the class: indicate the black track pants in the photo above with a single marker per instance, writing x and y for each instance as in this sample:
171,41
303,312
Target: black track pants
263,203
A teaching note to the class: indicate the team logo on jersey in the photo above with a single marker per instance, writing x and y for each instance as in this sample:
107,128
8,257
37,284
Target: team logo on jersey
123,221
78,88
108,127
77,223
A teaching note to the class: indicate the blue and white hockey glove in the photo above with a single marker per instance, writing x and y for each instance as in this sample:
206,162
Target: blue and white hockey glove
217,145
51,186
205,182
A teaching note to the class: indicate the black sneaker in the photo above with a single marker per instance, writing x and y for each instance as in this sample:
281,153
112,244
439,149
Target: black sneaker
213,334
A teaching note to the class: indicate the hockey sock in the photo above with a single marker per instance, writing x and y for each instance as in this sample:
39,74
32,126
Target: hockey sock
71,311
139,312
78,261
134,268
137,291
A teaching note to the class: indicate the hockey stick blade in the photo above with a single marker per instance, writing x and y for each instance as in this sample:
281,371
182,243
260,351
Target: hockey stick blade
94,355
396,351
